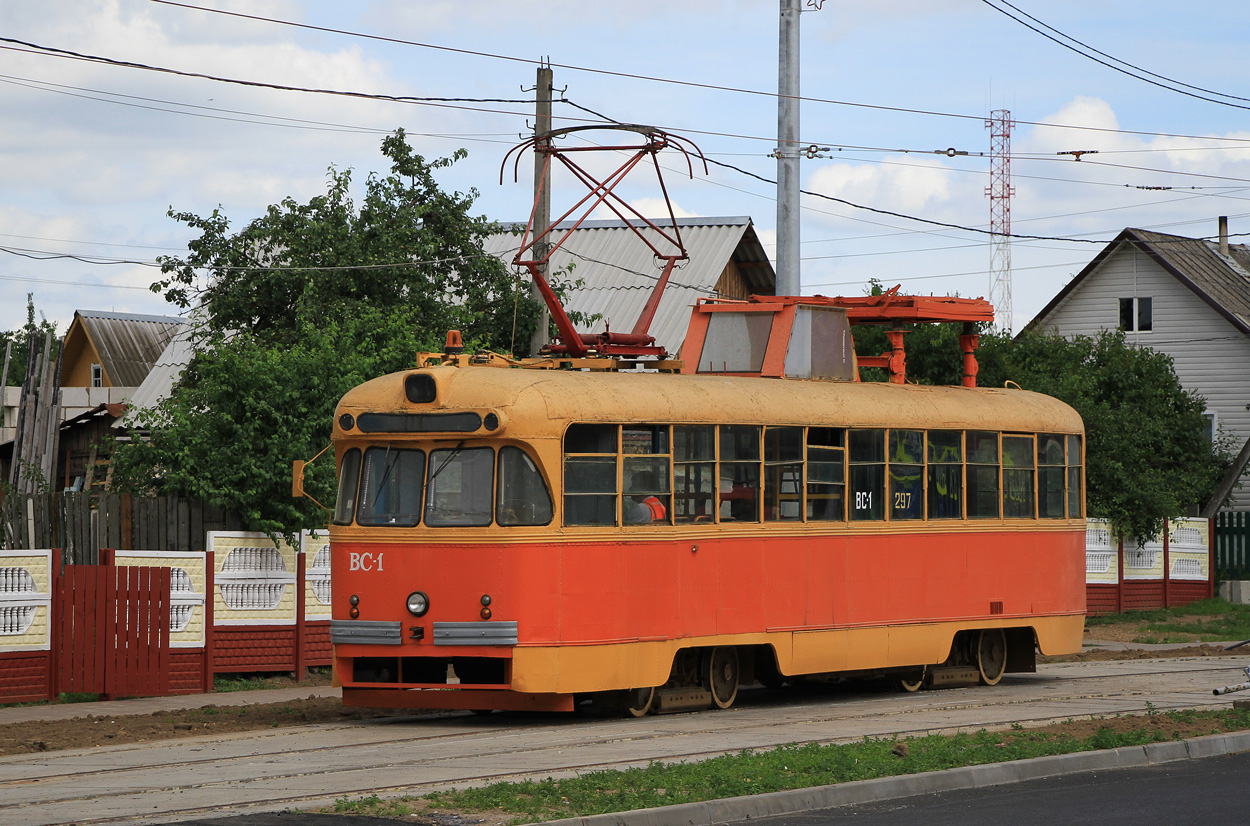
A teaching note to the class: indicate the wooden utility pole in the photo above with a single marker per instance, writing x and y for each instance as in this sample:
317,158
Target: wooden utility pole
542,197
4,379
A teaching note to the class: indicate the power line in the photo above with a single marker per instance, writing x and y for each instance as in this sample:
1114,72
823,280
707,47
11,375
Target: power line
441,102
671,81
1080,46
893,214
945,275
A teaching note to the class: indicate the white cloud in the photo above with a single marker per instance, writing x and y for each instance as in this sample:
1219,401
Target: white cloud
920,184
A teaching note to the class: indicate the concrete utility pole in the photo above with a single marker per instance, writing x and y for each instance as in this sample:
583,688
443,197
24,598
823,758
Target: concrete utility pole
788,282
542,195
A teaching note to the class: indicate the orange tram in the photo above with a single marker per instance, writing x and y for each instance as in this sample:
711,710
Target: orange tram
510,538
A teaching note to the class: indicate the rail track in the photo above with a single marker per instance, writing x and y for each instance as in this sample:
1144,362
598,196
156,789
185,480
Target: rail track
309,765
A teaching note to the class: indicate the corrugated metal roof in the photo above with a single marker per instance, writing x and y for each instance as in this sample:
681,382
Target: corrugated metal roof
161,378
620,271
1222,281
128,345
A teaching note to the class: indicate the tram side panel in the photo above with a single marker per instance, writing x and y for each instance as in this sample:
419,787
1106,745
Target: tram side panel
595,616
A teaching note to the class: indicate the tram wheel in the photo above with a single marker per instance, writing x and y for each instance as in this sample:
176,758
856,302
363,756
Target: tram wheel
638,701
912,681
992,655
721,675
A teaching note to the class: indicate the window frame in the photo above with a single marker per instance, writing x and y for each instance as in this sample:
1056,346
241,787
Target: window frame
1138,311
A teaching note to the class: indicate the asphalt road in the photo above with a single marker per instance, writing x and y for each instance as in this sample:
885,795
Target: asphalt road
1210,792
277,769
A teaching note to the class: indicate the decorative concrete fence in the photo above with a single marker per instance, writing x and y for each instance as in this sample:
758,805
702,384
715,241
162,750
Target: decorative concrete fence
1175,568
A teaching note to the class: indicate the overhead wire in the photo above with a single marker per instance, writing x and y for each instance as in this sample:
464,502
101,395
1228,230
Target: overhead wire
656,79
1059,37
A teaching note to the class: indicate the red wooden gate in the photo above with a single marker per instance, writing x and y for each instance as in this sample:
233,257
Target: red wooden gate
112,630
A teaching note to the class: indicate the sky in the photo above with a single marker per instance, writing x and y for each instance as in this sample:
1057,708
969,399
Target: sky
96,155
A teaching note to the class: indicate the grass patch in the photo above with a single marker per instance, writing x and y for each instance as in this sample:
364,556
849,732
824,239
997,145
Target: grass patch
796,767
1209,620
253,682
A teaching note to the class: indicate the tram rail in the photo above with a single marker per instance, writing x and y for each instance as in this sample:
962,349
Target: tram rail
271,770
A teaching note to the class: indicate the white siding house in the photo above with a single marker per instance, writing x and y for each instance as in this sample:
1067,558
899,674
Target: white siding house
1186,297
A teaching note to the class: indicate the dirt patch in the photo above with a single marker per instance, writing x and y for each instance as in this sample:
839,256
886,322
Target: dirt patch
1178,728
93,731
1105,654
96,730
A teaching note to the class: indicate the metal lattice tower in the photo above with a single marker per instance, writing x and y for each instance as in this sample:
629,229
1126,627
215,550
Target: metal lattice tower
1000,191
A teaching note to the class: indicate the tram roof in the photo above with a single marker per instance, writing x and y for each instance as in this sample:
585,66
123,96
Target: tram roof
532,398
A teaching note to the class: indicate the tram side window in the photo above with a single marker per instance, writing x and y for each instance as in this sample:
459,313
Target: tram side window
391,487
1051,471
826,474
946,474
1018,477
349,480
1075,499
645,474
740,473
460,487
590,474
906,474
783,474
983,499
694,473
867,457
521,495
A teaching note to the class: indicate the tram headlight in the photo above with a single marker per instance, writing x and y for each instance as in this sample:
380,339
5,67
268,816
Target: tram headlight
418,603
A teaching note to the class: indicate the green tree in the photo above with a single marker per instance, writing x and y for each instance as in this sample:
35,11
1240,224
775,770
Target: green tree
1147,456
409,244
19,356
302,304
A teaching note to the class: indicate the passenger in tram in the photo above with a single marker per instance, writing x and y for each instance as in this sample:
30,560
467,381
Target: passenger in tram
647,507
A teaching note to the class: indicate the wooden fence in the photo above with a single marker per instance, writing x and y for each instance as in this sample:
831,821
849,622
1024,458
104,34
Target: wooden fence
112,626
80,524
1232,545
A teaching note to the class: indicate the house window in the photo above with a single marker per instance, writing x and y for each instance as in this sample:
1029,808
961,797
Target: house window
97,376
1136,315
1209,430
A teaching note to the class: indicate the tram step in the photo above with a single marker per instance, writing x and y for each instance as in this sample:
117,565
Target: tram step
669,700
946,676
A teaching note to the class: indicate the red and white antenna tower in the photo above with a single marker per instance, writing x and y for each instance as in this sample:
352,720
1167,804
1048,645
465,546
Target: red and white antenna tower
1000,191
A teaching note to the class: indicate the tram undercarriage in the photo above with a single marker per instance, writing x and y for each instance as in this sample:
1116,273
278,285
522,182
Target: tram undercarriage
706,677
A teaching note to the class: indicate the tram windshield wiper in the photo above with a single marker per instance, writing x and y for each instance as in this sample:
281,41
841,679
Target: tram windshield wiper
450,456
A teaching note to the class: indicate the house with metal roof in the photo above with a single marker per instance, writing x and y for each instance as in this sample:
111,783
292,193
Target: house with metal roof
106,356
1186,297
726,260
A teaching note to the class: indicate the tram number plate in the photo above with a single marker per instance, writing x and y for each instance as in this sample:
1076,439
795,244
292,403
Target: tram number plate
364,561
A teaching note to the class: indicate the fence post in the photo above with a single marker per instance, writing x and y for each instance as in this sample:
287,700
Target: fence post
127,539
301,574
1119,585
1167,574
210,596
56,590
1211,556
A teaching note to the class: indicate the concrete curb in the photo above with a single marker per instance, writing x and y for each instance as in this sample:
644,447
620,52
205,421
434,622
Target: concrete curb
753,807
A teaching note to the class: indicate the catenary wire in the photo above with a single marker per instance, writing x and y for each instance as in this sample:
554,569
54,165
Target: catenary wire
1134,68
672,81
